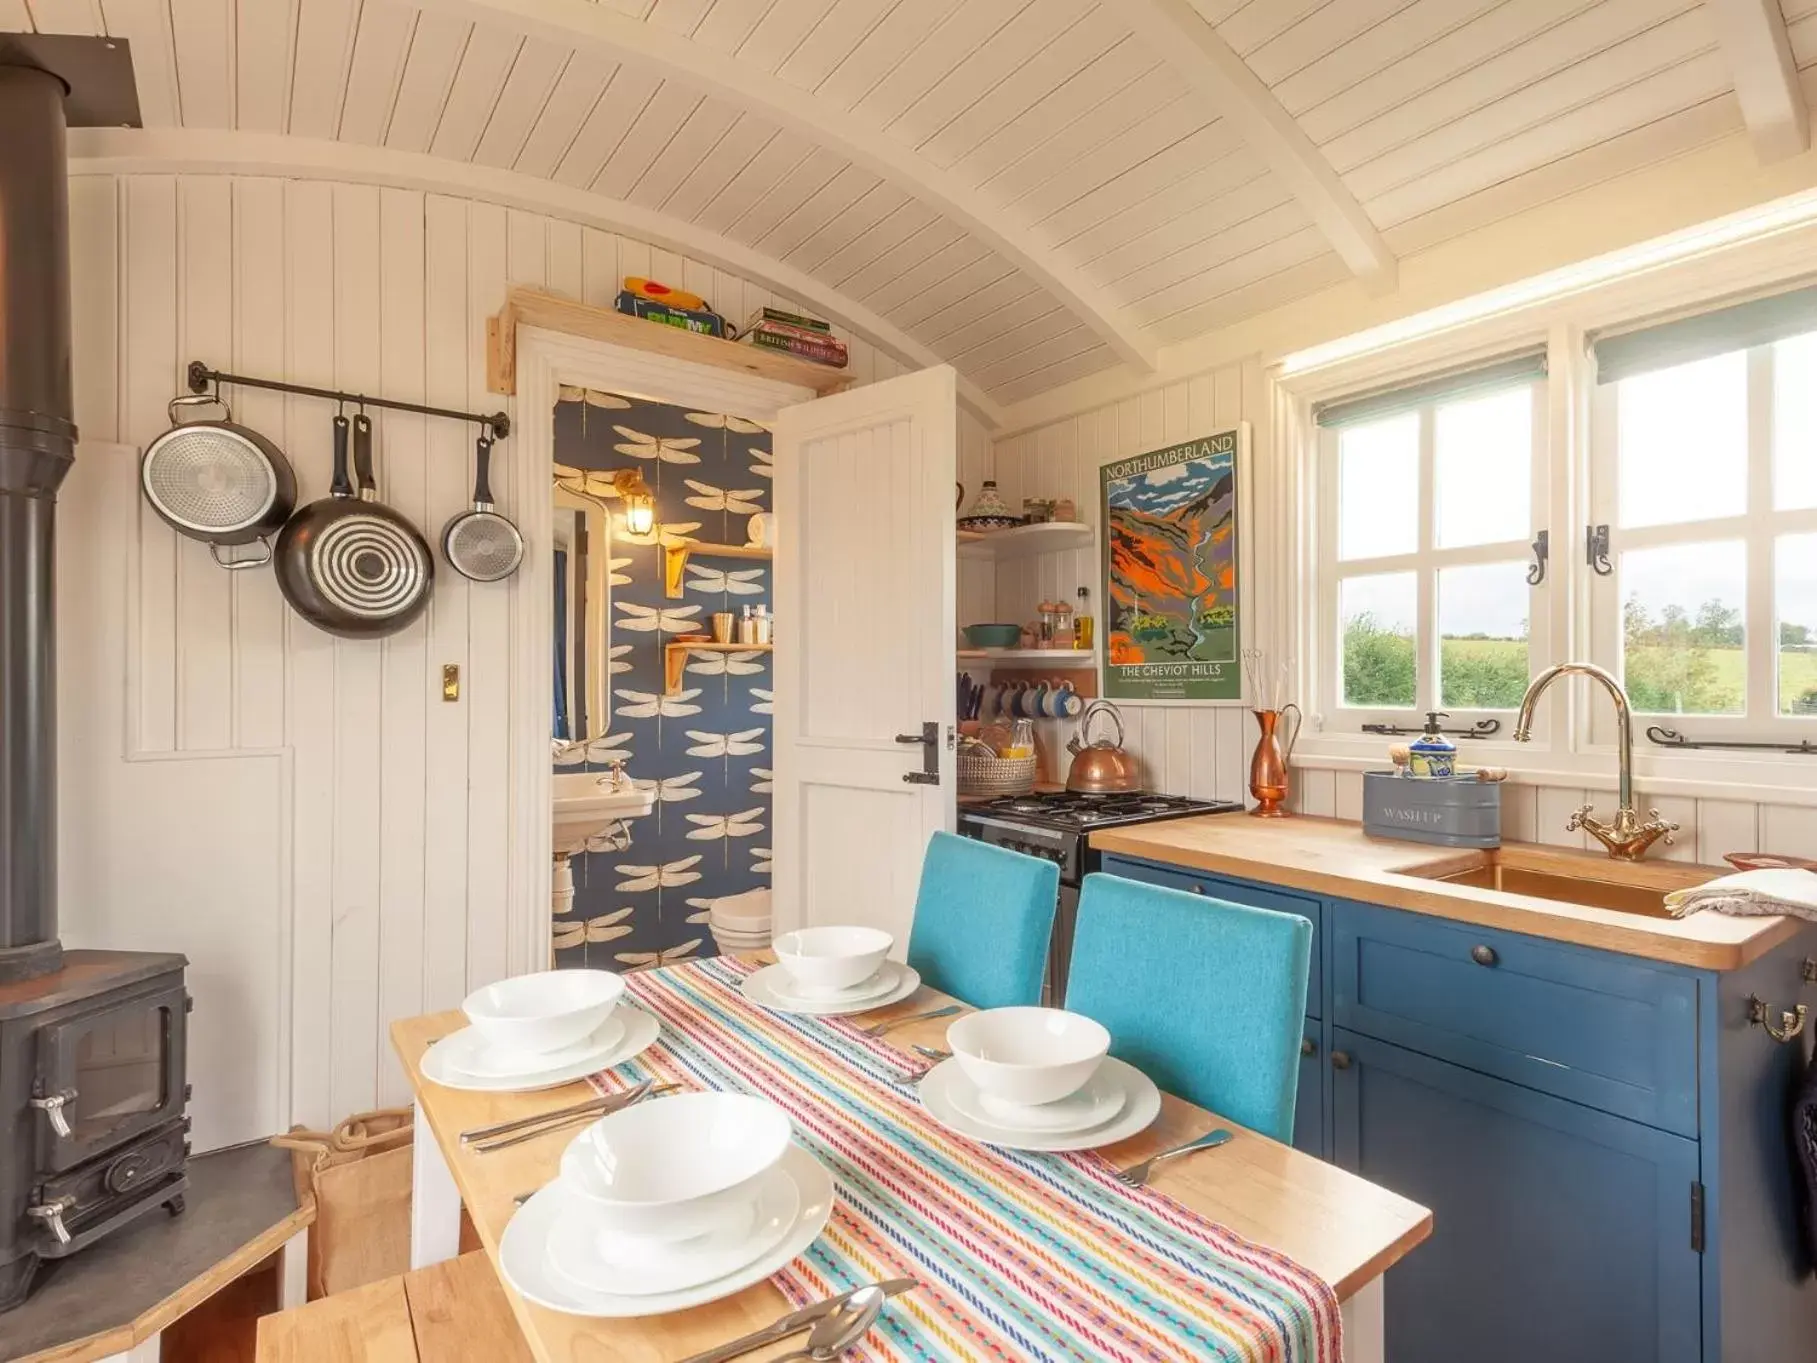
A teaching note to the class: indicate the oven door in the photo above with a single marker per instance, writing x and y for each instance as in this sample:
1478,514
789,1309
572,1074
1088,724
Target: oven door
108,1076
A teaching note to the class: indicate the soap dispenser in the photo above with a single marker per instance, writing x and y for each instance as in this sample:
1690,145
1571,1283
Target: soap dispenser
1433,755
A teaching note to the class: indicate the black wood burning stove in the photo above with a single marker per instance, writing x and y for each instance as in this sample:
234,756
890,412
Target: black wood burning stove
92,1080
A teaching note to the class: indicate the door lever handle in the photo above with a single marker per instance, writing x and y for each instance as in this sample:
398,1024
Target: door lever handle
929,739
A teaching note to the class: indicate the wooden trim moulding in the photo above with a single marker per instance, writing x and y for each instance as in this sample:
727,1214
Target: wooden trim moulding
535,308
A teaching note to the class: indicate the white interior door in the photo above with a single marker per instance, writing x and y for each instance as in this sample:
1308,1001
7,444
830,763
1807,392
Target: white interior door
864,590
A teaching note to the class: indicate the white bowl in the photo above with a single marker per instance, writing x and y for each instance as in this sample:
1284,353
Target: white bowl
826,960
1028,1055
544,1011
670,1169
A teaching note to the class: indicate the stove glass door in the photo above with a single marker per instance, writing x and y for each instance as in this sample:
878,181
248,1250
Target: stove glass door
117,1070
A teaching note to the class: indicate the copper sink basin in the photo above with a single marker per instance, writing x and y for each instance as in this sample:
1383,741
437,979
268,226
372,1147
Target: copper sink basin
1566,877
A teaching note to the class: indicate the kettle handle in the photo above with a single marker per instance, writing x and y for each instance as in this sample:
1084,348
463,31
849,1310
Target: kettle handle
1092,711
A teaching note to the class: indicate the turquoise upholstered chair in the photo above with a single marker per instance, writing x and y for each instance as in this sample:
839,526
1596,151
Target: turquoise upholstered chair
1205,997
982,920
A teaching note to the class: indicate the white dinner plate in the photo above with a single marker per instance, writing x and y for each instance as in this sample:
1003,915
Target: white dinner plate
444,1062
873,986
1098,1100
592,1258
1141,1105
762,989
523,1251
486,1061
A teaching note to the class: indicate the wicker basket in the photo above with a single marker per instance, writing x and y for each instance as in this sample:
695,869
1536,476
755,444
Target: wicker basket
984,774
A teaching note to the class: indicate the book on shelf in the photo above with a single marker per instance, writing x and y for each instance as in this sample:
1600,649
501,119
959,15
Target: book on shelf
788,319
688,319
822,350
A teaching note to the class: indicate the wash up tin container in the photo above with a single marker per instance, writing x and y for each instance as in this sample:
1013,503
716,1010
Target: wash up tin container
1456,811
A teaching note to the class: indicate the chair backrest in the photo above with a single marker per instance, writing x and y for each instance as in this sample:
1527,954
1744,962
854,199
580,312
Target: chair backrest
1206,997
982,921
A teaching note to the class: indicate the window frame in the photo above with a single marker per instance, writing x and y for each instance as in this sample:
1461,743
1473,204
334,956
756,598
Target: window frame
1426,561
1759,527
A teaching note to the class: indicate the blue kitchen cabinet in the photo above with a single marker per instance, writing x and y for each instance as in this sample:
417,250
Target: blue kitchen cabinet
1602,1138
1559,1232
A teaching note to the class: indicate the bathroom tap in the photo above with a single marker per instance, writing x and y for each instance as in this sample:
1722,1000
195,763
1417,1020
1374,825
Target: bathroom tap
1628,837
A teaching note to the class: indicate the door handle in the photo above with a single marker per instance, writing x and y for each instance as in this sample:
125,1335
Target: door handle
52,1107
929,739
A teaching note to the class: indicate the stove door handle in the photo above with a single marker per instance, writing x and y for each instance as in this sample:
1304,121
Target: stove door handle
51,1214
52,1107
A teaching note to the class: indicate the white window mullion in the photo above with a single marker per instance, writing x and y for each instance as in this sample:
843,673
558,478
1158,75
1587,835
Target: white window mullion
1761,653
1425,680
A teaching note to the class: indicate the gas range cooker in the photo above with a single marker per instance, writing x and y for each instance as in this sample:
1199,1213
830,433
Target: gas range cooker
1055,824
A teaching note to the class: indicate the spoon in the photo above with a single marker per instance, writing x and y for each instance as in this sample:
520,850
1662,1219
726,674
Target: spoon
840,1328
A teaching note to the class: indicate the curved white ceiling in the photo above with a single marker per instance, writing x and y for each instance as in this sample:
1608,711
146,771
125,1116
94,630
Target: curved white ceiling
1032,190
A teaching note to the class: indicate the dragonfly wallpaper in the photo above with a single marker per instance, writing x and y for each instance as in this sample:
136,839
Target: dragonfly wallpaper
705,752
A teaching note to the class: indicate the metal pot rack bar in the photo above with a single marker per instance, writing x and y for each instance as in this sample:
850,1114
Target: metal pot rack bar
202,378
1671,738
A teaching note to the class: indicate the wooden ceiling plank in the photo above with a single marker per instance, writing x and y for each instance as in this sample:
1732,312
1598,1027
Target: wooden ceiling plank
588,24
646,138
1094,128
830,203
777,157
1407,31
834,234
1220,78
558,122
693,142
1113,77
203,32
80,17
381,49
604,128
1032,87
781,31
324,49
484,68
146,25
435,54
831,41
534,76
1754,41
712,173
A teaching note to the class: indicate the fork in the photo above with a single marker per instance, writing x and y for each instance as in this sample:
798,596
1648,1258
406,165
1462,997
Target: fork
877,1029
570,1119
1136,1176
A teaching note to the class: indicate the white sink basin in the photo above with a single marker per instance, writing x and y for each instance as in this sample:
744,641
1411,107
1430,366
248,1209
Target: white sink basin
585,804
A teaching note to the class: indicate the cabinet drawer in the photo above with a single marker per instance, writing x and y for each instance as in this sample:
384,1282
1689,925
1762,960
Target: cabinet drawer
1608,1031
1237,892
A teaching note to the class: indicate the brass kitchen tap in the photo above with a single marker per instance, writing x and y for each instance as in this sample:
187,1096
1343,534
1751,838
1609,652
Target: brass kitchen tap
1628,837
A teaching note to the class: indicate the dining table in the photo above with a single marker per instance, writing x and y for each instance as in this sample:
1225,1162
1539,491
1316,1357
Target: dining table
1333,1224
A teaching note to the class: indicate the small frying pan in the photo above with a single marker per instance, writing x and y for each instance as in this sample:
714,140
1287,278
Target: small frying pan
349,565
479,543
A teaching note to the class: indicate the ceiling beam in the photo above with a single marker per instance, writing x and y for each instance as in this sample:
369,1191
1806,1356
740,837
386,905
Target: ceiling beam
1754,42
127,151
602,27
1219,76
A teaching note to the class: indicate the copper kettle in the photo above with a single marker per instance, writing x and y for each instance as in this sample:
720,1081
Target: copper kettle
1101,768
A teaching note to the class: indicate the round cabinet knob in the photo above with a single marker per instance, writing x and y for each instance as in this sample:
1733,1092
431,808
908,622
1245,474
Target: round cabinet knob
1484,955
1309,1047
1340,1060
1198,889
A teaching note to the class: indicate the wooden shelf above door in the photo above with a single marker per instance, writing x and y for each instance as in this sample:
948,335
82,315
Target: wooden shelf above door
534,308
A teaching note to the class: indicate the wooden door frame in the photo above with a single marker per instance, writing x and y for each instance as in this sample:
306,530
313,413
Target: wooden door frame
546,360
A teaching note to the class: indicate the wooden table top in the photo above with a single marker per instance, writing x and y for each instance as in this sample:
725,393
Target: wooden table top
1335,857
1346,1230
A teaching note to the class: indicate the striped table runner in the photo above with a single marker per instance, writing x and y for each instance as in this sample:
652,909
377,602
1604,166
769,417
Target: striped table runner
1020,1256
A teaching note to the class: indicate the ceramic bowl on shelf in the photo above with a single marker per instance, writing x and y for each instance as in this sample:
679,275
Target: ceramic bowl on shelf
670,1169
993,636
826,960
545,1011
1028,1056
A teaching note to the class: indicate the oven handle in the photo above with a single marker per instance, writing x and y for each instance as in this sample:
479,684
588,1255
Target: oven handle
52,1107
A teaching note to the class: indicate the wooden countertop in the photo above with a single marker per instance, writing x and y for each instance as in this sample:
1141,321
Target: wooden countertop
1343,1228
1335,857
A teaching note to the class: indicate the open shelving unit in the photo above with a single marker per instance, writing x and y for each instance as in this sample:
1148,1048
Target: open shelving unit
1060,658
675,558
675,659
1021,541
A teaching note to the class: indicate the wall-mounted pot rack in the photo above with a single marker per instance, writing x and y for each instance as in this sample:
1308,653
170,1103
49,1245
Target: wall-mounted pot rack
202,378
1671,738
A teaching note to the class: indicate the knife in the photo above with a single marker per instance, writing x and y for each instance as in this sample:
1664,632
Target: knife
795,1321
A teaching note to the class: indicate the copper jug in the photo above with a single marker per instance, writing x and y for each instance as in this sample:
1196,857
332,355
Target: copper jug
1269,775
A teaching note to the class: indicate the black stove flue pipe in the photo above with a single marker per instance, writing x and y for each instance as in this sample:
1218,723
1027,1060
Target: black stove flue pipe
37,446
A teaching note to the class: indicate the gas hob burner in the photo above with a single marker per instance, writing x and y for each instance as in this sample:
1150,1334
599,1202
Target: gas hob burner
1064,809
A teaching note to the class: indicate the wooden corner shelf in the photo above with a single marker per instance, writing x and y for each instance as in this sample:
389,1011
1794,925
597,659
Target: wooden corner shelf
535,308
676,553
1021,541
675,659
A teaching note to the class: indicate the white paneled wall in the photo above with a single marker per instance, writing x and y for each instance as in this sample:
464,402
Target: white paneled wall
1205,749
1198,750
305,817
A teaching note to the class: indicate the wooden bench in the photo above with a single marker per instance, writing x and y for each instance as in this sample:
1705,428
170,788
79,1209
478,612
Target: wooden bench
451,1312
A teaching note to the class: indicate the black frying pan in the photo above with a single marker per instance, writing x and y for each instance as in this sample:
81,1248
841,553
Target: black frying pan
349,564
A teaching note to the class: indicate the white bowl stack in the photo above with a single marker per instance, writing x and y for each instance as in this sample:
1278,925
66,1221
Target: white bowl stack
740,923
1028,1057
540,1013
